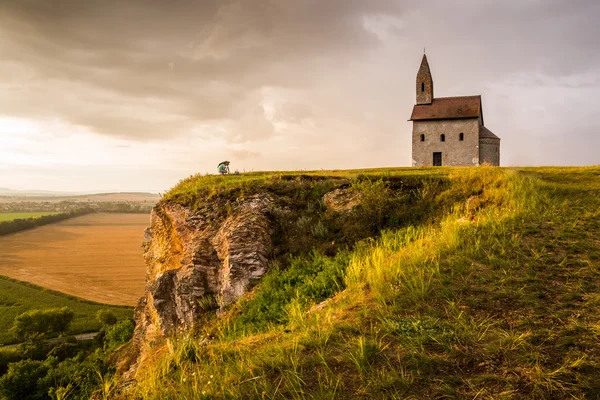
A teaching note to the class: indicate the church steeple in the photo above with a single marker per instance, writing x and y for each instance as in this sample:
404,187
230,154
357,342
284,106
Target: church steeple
424,83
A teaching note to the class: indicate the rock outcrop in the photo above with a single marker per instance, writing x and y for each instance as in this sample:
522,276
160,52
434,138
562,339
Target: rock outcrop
208,256
342,199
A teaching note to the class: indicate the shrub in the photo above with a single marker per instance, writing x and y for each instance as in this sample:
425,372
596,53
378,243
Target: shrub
106,317
8,355
74,378
49,322
21,380
119,334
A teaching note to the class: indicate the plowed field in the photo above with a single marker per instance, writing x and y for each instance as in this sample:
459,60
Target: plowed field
97,257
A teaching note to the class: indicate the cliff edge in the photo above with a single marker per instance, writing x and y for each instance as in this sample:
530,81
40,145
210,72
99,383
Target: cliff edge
203,253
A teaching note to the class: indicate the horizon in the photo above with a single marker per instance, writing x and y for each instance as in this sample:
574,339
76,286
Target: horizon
173,89
85,192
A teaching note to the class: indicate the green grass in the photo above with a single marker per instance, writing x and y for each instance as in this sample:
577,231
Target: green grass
198,188
496,296
24,215
17,297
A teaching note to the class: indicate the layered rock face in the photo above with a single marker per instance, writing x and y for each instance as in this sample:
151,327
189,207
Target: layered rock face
212,255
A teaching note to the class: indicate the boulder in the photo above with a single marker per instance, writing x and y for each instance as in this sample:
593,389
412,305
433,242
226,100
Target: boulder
342,199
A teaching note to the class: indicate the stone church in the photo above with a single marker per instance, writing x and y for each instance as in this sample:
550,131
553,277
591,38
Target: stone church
449,130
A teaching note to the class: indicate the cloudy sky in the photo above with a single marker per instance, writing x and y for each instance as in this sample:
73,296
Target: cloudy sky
137,94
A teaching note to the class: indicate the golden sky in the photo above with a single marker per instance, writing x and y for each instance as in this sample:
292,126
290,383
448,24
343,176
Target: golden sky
137,94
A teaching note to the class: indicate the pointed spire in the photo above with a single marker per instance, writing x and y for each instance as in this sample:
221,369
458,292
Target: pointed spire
424,63
424,83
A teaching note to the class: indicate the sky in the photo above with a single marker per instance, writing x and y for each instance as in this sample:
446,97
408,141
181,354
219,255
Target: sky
107,95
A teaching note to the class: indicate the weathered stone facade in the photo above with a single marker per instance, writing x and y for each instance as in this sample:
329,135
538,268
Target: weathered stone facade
489,151
454,151
449,130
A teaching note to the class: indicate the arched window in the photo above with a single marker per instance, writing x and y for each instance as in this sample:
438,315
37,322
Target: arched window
422,86
442,137
422,138
461,136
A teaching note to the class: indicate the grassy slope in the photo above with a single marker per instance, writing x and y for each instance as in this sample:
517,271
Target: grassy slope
17,297
23,215
500,298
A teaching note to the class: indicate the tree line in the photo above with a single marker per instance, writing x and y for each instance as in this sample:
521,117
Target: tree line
68,206
21,224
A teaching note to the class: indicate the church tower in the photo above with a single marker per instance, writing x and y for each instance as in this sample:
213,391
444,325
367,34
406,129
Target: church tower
424,83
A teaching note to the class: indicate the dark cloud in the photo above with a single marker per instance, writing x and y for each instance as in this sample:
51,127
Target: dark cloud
204,60
303,74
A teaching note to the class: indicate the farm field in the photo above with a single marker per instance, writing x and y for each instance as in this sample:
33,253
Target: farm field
18,297
97,257
23,215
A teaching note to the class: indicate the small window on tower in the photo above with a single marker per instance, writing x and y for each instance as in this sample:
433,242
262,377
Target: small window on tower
461,136
422,86
422,138
442,137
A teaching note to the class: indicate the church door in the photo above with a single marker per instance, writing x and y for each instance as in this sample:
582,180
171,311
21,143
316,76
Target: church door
437,159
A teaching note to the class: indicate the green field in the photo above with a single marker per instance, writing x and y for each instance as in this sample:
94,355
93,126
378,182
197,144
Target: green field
17,297
24,215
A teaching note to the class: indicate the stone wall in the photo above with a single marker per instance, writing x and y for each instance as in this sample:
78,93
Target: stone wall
489,151
454,151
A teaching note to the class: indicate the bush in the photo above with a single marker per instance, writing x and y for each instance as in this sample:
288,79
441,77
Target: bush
78,376
64,350
106,317
8,355
21,380
119,334
34,347
51,322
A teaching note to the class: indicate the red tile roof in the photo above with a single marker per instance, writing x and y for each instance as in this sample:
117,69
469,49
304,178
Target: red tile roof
448,108
486,133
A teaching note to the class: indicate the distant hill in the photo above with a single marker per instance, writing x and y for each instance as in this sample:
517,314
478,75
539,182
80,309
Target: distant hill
13,192
48,195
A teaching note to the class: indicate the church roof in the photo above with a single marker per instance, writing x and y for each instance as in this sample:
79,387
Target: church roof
486,133
448,108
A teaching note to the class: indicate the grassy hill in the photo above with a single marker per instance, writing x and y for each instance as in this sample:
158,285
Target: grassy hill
18,297
496,294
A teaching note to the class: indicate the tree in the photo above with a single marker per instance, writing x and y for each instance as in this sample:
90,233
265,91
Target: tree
46,323
106,317
21,380
119,334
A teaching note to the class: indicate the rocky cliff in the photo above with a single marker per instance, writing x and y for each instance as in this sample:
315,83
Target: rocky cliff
204,255
197,259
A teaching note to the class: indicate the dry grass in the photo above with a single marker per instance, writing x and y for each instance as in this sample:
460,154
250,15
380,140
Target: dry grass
97,257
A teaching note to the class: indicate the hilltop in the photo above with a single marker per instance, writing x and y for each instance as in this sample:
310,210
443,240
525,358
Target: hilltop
391,283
